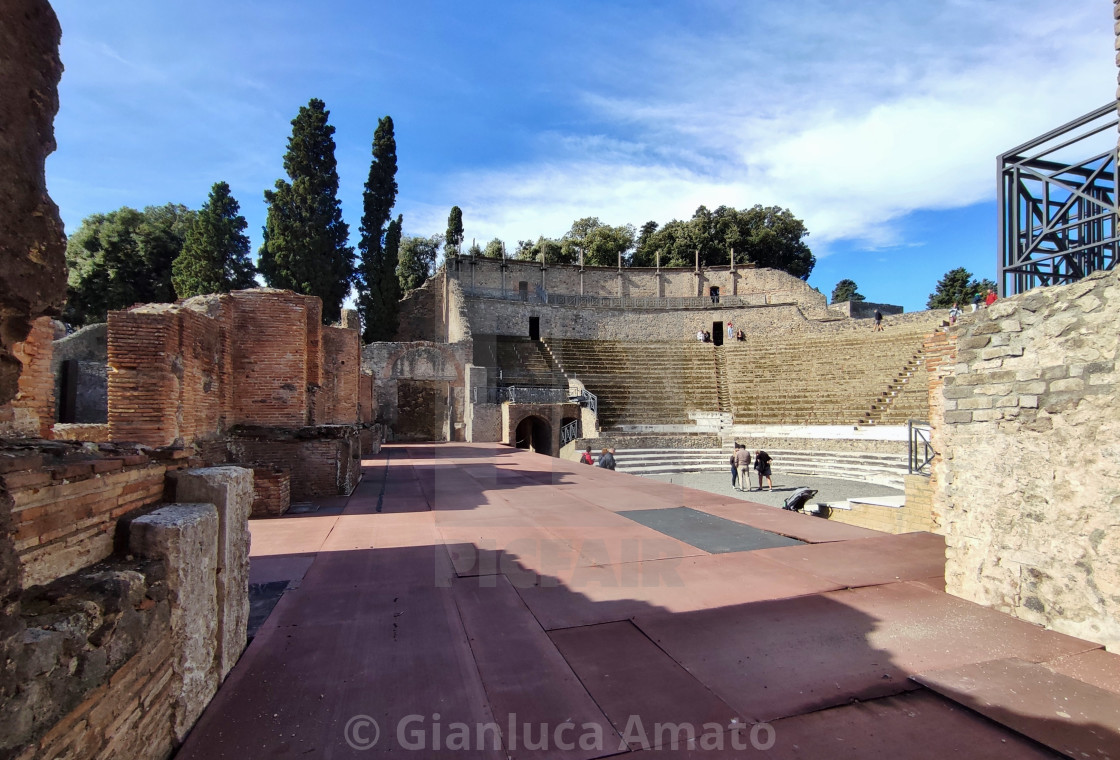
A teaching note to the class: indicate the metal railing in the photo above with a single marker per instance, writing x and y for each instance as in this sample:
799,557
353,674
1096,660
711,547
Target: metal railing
921,453
569,432
1059,208
518,394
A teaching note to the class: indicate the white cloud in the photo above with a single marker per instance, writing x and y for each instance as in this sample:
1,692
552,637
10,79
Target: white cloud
852,126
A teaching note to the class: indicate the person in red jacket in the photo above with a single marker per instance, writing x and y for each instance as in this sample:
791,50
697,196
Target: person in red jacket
990,298
586,458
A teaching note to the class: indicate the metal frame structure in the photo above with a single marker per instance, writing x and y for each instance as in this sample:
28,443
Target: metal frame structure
569,432
1058,218
920,451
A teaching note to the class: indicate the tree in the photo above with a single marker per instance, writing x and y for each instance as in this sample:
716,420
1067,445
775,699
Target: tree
215,254
376,261
845,290
474,250
544,250
957,287
388,282
601,244
305,238
122,258
416,261
453,240
495,249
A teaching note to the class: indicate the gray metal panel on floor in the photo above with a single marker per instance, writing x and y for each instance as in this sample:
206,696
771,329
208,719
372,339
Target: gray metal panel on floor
708,532
1074,718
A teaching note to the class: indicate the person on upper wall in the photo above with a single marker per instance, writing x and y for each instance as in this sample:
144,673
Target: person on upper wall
990,298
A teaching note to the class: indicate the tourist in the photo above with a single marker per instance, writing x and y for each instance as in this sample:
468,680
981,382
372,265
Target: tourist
606,460
740,335
743,463
700,335
586,458
878,323
734,469
762,462
730,331
707,337
954,313
990,299
976,299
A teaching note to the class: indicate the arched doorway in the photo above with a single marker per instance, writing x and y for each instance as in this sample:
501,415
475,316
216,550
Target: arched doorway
534,434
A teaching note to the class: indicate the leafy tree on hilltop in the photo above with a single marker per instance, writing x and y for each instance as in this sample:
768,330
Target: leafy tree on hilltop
416,261
495,249
767,236
378,287
545,251
453,240
215,255
475,250
957,287
601,244
122,258
305,238
845,290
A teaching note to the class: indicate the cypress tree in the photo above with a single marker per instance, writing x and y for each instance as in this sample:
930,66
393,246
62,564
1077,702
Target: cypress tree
215,255
453,240
304,236
377,271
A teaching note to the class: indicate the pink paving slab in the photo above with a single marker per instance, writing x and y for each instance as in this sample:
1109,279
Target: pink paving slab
1067,715
602,594
515,659
1098,667
915,726
782,658
629,677
524,553
867,561
793,524
296,688
427,565
384,530
289,535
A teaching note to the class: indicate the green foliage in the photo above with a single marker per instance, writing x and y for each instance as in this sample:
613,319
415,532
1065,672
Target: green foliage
305,238
388,282
417,261
600,244
377,268
215,255
545,250
123,258
765,236
453,239
845,290
495,249
474,250
957,287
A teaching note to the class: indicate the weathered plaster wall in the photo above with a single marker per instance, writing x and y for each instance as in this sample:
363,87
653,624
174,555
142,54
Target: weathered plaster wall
82,395
430,363
32,246
1028,486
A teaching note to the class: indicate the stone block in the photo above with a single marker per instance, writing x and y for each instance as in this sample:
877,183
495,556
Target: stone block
230,490
1028,402
1011,325
957,418
185,538
996,352
1069,384
1032,388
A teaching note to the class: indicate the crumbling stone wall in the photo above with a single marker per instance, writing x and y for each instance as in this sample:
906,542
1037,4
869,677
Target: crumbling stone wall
1028,485
391,364
31,412
32,246
79,365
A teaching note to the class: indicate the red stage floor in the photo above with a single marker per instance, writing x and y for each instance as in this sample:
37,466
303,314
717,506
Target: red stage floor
492,603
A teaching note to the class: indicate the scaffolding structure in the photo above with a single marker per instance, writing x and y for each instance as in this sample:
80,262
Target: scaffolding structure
1058,211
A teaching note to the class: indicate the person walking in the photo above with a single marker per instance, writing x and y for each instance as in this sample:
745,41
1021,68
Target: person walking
954,314
976,299
734,469
762,462
990,298
743,464
878,325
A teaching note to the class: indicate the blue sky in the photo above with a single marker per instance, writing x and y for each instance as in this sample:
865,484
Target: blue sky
877,122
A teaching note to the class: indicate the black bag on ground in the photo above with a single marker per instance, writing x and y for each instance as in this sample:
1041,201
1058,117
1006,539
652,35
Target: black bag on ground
797,499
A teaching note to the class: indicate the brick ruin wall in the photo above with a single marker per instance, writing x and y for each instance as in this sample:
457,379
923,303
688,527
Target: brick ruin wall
1027,487
272,491
338,400
31,412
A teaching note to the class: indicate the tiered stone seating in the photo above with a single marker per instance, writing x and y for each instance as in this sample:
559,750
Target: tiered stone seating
845,378
643,383
518,360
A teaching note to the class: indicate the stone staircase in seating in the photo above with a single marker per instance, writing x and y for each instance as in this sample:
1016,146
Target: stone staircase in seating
642,383
883,469
518,361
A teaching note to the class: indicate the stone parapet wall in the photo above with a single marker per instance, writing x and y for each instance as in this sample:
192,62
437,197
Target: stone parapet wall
323,460
567,279
1028,487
